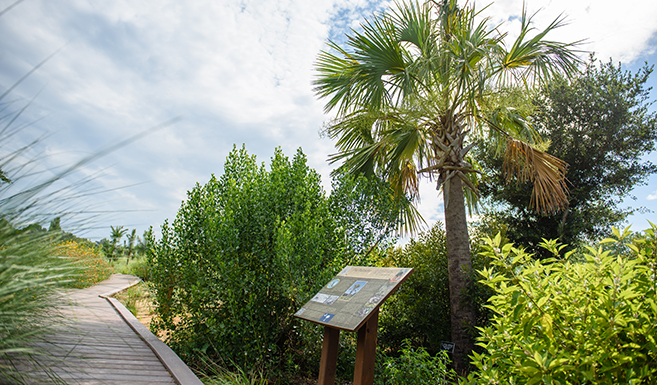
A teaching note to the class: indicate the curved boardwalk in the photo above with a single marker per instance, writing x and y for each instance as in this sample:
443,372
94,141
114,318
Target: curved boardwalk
102,343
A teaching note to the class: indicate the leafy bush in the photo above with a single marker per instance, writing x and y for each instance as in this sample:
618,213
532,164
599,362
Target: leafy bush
415,367
420,310
245,251
592,320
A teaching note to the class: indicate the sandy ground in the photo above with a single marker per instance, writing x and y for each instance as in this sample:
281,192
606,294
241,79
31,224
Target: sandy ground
144,304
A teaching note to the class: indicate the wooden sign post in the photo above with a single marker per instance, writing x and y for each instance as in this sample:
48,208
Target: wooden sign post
351,301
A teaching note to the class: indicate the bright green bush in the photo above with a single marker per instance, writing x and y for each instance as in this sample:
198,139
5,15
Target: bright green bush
588,321
244,253
415,367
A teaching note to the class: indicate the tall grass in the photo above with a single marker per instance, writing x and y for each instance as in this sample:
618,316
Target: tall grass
137,266
33,268
33,271
134,297
30,276
214,374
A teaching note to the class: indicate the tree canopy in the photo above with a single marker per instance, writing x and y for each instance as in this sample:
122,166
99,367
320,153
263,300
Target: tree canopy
600,124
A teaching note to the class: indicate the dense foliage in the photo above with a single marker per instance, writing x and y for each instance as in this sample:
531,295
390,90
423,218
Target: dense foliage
599,123
247,249
588,319
419,312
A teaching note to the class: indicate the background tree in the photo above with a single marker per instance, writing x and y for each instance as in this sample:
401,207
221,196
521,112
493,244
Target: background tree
416,90
130,245
115,241
55,225
599,123
143,243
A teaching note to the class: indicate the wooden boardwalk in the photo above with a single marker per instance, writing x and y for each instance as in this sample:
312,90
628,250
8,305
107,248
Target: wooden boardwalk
102,343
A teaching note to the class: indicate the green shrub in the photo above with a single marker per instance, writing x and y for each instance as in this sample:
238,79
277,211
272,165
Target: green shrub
420,311
415,367
244,253
588,321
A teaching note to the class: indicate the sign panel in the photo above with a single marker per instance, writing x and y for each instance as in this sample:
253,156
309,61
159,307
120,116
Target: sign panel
346,300
447,346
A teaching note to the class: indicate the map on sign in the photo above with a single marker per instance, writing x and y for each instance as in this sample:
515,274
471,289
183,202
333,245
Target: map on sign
346,300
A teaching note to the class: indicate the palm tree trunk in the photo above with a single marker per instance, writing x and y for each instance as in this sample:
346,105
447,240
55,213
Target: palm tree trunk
459,264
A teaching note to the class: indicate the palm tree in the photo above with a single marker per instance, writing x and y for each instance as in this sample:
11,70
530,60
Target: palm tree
143,243
130,246
417,89
115,239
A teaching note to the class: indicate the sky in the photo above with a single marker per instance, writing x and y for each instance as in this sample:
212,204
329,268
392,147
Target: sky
214,74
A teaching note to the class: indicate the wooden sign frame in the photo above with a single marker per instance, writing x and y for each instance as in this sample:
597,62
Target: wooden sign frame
350,301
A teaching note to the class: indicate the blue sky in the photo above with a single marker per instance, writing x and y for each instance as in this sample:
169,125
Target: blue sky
234,72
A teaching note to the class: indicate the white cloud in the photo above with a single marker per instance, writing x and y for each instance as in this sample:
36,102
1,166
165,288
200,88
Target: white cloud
623,31
652,197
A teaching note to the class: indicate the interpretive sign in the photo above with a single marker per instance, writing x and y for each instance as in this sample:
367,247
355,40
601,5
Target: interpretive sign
447,346
346,301
350,301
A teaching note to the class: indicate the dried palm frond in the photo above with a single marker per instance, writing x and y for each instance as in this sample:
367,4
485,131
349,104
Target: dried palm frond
548,174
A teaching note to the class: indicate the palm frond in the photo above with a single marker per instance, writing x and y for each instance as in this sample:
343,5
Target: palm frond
370,75
410,220
361,161
353,131
548,174
510,122
404,179
534,59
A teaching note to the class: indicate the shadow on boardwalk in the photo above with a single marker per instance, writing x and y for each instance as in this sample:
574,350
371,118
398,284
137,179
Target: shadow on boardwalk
100,342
